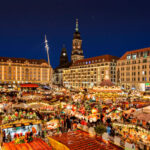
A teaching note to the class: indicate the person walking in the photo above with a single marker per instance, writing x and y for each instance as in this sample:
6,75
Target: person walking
68,123
4,137
64,123
9,137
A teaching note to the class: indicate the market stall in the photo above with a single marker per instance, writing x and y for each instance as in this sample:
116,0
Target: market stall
132,133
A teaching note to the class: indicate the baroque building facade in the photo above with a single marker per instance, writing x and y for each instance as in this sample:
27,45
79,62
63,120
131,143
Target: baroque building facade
90,72
22,70
133,70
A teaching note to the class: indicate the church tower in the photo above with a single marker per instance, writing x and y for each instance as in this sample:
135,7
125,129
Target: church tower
77,52
63,57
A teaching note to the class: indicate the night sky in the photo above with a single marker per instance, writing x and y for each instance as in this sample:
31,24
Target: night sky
106,27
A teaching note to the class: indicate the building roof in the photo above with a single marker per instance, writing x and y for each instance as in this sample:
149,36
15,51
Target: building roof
92,60
22,60
134,51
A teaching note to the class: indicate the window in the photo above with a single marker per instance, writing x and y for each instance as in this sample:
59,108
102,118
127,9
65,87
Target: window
134,56
144,54
144,60
128,57
143,66
143,72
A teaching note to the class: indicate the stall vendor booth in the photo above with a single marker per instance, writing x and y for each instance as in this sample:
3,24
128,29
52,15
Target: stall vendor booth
53,124
19,128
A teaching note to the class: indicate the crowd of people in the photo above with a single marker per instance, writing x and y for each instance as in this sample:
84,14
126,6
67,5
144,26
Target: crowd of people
67,122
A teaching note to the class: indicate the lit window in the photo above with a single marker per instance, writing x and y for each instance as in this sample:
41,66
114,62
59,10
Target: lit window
128,57
134,56
144,54
143,72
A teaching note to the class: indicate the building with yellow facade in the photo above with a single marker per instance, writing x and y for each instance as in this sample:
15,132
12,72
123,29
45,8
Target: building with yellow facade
21,70
133,70
90,72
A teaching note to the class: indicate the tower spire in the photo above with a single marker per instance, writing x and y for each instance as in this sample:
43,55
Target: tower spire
47,49
77,26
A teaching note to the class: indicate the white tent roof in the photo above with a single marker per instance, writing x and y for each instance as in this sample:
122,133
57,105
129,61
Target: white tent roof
146,109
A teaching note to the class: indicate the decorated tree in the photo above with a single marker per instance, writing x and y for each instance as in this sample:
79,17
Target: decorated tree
100,129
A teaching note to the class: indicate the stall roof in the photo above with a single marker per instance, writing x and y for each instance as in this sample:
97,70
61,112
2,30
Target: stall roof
29,85
19,123
143,116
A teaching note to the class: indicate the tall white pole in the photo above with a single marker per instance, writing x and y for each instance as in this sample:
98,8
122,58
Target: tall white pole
47,49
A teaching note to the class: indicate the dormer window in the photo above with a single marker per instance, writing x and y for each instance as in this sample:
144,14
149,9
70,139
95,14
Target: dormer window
134,56
128,57
144,54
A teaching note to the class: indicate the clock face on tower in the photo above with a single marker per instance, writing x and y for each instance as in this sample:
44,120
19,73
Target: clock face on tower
64,54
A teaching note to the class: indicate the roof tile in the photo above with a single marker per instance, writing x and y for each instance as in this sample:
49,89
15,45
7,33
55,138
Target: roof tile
106,58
